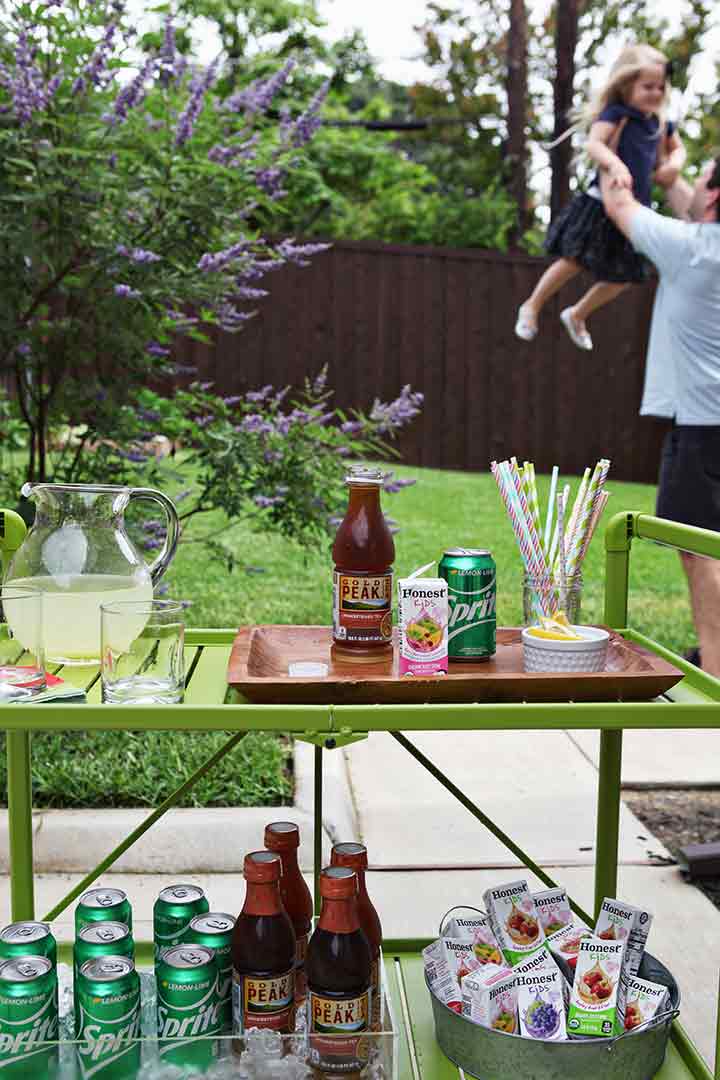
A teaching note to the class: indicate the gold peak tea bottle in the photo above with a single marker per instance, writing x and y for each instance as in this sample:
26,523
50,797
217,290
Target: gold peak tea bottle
363,554
339,981
283,837
263,953
355,856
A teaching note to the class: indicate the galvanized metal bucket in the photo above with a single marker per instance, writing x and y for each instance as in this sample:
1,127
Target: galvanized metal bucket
495,1055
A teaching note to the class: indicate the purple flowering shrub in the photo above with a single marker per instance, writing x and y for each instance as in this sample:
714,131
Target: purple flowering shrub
129,196
276,457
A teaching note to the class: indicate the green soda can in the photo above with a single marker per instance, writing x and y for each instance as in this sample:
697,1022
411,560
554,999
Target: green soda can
108,1025
174,908
100,939
188,1010
28,1017
102,905
470,574
215,931
28,939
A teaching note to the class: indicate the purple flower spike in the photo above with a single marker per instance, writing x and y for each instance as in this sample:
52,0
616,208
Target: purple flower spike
127,292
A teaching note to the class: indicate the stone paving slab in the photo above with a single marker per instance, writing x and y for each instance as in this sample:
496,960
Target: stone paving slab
537,786
675,758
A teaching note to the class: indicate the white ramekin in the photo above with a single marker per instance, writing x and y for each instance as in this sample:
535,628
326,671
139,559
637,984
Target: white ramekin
545,654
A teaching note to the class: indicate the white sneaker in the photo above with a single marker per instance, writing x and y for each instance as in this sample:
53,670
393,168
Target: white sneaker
581,338
526,326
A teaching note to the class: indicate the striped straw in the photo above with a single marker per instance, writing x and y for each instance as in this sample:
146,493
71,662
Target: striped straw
550,509
600,504
574,556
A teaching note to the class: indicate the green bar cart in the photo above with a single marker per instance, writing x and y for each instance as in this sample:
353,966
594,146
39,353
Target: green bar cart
692,703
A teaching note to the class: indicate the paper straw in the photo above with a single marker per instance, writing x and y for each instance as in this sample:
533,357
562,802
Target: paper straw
507,480
561,546
600,505
538,554
552,558
577,507
550,508
597,480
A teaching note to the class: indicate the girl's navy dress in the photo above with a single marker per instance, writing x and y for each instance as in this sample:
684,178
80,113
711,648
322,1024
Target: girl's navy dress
583,231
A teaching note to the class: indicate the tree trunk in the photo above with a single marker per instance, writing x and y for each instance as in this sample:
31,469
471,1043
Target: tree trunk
517,79
566,35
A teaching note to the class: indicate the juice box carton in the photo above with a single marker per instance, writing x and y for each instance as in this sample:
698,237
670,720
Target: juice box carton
543,959
446,962
553,907
593,1000
565,944
618,921
541,1002
478,931
489,998
515,921
638,1001
423,626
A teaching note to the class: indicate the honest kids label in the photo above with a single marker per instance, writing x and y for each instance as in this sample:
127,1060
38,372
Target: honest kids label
593,1001
618,921
541,1003
479,932
264,1003
515,921
442,979
565,944
638,1001
423,626
553,907
362,607
489,998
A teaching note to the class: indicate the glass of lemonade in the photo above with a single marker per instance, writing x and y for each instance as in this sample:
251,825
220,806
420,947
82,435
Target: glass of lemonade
143,652
22,660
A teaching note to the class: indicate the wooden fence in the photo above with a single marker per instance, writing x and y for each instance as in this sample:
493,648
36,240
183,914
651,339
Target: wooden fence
442,320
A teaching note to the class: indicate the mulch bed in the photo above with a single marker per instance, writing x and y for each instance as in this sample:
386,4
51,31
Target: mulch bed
679,818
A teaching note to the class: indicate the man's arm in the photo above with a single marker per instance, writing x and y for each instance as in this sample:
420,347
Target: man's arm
621,206
679,196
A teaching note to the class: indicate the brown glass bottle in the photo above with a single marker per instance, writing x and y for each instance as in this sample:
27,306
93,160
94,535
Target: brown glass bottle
283,837
355,857
263,952
363,554
338,972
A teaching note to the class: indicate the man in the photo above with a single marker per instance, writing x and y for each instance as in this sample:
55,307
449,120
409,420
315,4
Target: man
683,369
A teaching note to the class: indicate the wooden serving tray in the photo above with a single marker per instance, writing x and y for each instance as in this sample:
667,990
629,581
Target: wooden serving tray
261,657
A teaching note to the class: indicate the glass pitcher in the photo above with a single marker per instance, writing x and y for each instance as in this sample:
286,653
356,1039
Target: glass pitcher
80,556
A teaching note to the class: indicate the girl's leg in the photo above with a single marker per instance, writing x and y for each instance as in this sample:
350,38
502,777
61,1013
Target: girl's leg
551,282
595,298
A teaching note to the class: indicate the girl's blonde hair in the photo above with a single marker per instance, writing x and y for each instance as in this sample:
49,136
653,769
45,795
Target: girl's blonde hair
633,60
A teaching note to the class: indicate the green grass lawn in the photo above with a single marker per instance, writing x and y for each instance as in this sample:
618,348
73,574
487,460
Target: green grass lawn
287,584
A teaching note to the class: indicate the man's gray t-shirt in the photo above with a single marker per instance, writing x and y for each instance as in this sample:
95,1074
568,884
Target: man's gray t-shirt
682,374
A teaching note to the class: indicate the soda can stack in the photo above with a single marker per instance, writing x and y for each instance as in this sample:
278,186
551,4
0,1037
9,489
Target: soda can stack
174,909
102,905
188,1009
28,939
215,931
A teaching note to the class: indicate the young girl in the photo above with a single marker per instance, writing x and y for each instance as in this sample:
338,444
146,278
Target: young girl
629,137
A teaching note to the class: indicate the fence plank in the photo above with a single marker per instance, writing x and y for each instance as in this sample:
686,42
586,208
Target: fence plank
443,320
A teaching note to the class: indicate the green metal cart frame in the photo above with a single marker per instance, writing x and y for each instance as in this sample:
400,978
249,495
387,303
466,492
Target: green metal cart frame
693,703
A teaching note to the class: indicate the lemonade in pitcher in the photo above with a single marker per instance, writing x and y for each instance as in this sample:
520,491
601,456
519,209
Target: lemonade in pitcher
79,556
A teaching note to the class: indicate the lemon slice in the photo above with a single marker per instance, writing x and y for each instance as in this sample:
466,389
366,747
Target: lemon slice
556,628
552,635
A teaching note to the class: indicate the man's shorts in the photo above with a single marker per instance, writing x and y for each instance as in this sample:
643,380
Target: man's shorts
689,484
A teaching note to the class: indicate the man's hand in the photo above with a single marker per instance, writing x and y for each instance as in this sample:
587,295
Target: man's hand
666,174
620,203
620,175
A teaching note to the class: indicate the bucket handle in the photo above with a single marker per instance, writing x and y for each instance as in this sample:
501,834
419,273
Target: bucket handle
459,907
654,1021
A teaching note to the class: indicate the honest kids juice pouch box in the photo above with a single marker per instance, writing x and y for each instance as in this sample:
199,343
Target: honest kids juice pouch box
618,921
565,944
553,907
489,998
446,962
638,1001
541,1002
478,931
423,626
593,1000
515,921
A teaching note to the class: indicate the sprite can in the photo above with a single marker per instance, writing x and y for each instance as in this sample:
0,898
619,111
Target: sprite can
102,905
108,1018
215,930
28,1017
28,939
470,574
100,939
174,908
188,1010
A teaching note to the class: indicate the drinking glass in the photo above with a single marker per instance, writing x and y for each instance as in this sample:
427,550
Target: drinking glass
142,652
538,596
22,660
